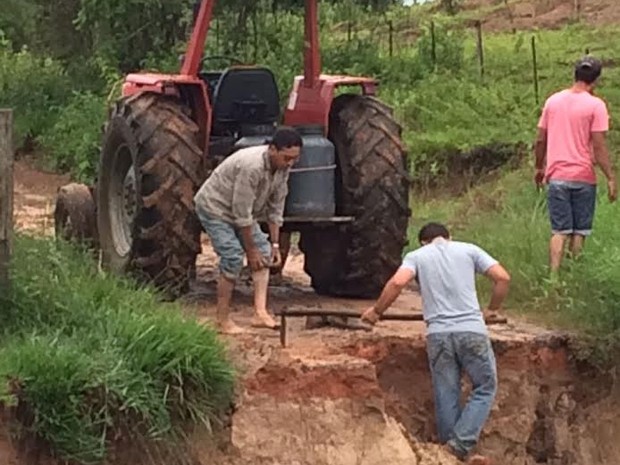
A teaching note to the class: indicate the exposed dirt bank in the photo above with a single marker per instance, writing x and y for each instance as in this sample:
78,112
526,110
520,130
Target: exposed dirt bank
500,15
353,399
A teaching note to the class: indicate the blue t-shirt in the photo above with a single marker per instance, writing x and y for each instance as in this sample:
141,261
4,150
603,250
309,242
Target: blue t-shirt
446,272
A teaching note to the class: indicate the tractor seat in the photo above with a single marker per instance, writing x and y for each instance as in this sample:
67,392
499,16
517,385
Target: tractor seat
245,97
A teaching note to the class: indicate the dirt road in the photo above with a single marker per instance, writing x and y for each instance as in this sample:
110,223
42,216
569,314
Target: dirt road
35,192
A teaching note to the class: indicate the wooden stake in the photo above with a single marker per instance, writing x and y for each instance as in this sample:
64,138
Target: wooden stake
480,48
6,195
433,45
391,38
535,69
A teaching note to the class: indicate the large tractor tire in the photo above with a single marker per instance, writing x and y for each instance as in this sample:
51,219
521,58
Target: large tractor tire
75,216
373,186
150,168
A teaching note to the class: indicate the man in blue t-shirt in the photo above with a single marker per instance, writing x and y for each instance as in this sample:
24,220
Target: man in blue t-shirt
457,338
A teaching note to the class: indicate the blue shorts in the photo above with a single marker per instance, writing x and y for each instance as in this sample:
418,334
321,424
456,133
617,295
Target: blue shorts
571,207
227,243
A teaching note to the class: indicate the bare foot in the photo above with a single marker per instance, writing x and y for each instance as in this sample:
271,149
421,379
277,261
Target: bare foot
264,320
229,327
479,460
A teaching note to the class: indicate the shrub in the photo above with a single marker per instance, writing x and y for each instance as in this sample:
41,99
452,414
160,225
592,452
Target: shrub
34,87
72,143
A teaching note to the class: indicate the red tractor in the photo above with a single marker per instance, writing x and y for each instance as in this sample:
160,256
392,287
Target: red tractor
169,130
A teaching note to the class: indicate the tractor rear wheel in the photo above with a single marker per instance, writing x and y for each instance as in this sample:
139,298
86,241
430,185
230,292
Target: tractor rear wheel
373,186
150,168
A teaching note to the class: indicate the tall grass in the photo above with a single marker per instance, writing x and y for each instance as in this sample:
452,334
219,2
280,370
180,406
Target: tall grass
89,357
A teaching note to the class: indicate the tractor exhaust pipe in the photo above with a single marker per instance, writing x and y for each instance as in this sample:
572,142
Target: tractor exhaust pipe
191,61
312,58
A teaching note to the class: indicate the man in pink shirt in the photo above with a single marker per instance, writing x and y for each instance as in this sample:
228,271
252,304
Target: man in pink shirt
571,140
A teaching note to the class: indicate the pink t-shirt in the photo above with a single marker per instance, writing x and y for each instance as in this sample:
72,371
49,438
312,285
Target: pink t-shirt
570,118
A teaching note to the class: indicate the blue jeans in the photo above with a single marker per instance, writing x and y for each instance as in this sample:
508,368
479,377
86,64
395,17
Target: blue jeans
571,207
449,354
227,243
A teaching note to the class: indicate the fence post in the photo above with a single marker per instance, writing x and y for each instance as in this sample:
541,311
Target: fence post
6,195
535,69
433,45
577,9
391,43
480,48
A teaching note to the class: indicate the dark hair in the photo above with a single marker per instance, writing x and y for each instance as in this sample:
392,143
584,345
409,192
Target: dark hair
588,69
432,231
286,137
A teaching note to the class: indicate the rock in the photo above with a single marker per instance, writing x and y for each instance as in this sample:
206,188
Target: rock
323,432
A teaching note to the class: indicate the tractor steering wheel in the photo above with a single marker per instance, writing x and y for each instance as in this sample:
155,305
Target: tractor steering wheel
230,59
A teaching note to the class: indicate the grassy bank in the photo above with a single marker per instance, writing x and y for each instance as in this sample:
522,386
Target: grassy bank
87,357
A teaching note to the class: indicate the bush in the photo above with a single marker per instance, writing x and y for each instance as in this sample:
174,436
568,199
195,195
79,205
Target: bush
90,358
72,143
35,88
448,52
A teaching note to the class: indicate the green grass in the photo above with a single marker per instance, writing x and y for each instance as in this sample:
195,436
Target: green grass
88,356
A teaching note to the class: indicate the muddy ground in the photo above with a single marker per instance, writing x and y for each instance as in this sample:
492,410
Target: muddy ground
341,397
35,191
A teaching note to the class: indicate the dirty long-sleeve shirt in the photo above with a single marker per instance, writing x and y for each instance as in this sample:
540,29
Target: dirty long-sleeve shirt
243,189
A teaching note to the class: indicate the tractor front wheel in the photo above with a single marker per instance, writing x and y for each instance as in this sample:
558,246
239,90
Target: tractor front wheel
372,186
75,216
149,171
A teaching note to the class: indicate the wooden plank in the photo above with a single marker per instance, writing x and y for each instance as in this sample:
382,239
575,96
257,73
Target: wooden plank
319,219
389,316
299,312
6,194
306,312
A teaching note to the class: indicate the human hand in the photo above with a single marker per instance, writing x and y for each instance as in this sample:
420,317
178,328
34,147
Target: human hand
255,259
539,178
491,315
370,316
612,190
276,257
